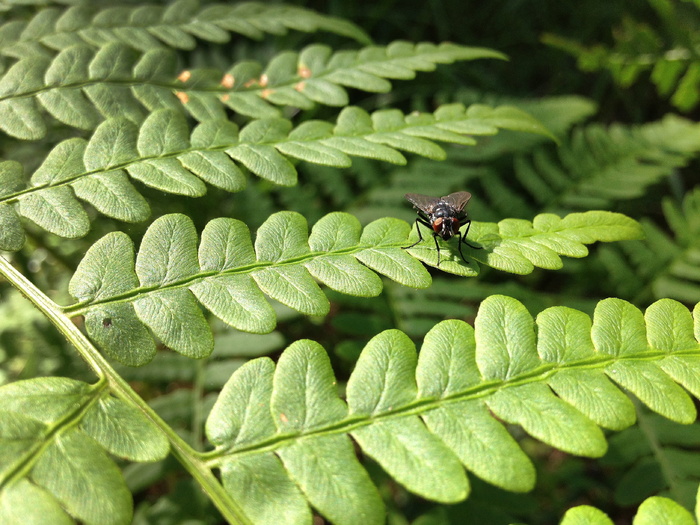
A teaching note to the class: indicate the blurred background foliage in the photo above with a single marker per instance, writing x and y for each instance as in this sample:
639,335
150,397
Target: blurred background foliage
616,81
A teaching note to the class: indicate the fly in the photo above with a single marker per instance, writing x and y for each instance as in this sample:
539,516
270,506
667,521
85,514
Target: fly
445,215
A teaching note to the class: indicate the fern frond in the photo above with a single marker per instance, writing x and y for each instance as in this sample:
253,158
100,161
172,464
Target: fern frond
669,58
664,266
403,409
163,155
121,297
151,26
81,85
40,438
596,166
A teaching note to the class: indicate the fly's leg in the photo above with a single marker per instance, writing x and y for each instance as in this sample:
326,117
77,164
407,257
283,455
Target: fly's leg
437,247
420,235
463,239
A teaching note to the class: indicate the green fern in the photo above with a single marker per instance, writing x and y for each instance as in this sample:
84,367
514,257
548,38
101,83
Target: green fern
665,266
667,56
460,372
160,154
296,432
145,27
38,415
597,167
81,85
228,277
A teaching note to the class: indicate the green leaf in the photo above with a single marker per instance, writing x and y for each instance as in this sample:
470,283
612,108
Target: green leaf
11,177
592,393
107,270
344,274
517,246
162,133
20,118
483,445
655,389
282,236
262,487
167,175
124,431
120,333
404,447
392,261
330,476
112,194
63,163
56,210
546,417
45,399
237,301
383,375
265,162
294,287
505,339
176,319
585,515
22,503
89,485
662,510
11,234
234,420
304,394
168,251
225,245
113,144
215,168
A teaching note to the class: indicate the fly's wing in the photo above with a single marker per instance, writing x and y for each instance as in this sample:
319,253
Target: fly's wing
457,200
424,203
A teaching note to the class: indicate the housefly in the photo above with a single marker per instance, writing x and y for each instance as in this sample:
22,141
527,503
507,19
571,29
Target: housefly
445,215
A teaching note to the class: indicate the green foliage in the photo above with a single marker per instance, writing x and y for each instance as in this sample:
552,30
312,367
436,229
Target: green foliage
666,52
228,277
666,266
653,510
160,154
114,80
145,27
40,438
420,417
113,112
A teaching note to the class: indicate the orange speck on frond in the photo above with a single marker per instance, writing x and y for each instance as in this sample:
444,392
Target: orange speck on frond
284,418
182,96
299,86
184,76
250,83
224,97
304,72
264,79
227,81
266,93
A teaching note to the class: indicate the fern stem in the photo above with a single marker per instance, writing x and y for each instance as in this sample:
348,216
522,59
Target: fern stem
188,457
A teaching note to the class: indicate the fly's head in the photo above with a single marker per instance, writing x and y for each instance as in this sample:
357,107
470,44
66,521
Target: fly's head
445,227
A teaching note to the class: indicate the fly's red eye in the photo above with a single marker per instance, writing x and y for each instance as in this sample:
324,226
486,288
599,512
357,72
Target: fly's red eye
437,224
